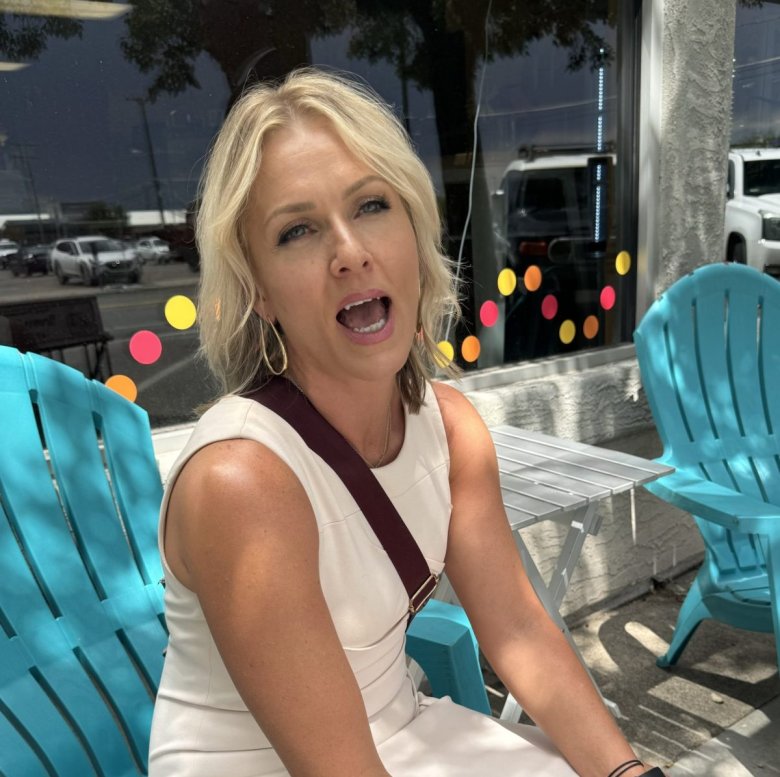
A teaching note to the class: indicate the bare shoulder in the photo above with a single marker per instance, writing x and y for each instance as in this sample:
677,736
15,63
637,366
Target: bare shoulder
236,474
234,468
467,436
456,409
232,494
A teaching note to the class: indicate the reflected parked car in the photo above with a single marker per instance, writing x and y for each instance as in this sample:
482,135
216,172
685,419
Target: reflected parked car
153,249
95,260
7,247
29,259
551,211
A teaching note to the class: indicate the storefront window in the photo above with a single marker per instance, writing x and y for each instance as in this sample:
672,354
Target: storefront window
753,195
108,109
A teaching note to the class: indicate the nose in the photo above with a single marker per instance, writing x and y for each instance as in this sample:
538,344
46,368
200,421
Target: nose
349,251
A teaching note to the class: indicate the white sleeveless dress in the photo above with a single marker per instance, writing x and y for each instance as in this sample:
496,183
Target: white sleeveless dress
202,728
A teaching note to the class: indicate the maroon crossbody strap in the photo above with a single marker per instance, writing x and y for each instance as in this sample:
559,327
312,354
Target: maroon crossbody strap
287,401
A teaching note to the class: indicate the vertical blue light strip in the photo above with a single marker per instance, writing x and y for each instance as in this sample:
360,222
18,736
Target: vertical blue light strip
599,149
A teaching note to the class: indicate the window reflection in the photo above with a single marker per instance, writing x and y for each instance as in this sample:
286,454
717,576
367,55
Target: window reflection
551,214
752,218
105,124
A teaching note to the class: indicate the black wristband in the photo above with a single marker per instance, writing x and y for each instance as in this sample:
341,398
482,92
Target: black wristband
624,767
628,765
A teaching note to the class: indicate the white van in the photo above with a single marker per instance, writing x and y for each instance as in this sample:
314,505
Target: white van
551,204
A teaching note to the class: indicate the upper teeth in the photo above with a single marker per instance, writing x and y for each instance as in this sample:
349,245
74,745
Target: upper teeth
359,302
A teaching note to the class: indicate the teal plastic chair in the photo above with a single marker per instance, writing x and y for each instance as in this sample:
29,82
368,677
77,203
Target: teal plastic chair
709,357
81,609
441,640
82,631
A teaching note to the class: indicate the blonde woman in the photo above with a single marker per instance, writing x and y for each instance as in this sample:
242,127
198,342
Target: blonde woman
320,252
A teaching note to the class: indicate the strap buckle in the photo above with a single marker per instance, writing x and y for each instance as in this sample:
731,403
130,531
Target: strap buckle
420,597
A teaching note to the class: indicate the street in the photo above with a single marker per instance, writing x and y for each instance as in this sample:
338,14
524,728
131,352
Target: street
169,389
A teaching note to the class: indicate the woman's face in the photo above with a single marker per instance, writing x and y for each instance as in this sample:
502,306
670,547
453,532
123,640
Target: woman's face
335,256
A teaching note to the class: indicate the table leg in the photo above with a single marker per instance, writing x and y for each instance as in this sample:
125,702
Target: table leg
580,525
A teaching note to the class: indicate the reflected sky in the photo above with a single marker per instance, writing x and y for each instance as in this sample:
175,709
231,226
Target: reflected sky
86,141
71,126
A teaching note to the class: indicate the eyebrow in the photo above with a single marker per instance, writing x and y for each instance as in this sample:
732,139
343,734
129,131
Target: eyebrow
294,207
302,207
359,184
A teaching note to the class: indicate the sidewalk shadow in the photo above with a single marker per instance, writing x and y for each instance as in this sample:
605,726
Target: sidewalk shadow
723,674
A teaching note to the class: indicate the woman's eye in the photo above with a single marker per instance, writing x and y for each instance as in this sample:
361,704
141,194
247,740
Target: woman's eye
299,230
375,205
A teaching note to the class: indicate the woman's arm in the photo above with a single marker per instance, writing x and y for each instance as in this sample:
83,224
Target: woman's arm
241,534
521,642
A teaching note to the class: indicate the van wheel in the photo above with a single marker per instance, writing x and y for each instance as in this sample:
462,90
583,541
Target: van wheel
737,253
61,277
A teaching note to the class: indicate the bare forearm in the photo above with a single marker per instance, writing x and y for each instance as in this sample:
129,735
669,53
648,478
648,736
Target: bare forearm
544,675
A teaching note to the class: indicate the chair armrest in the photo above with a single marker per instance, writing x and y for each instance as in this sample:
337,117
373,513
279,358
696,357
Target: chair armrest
716,503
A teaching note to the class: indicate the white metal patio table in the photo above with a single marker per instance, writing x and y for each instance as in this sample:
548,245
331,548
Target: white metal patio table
551,478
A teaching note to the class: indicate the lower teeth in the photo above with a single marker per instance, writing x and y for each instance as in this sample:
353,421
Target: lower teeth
367,330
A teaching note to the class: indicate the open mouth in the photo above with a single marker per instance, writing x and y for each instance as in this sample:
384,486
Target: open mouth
366,316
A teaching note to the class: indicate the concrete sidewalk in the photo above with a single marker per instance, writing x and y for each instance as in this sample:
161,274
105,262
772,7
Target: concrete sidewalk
750,747
717,713
699,716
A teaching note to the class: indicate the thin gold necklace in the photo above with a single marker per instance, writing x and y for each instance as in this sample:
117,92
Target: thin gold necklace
387,439
387,428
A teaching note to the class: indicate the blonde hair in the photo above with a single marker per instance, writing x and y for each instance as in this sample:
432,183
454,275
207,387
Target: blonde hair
232,334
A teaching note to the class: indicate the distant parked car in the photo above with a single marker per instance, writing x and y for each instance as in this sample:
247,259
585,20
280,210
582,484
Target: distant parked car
153,249
7,247
29,259
95,260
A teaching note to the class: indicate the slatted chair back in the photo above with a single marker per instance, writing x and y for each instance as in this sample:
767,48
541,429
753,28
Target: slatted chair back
82,631
708,350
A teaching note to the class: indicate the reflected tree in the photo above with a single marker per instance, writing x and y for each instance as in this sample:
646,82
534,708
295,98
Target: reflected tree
247,39
433,44
164,39
265,39
570,24
24,38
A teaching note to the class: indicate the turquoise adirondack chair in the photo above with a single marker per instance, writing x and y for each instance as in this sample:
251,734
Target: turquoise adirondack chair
82,631
709,357
81,605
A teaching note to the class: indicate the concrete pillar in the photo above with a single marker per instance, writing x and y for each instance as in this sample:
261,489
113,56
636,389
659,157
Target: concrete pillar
696,93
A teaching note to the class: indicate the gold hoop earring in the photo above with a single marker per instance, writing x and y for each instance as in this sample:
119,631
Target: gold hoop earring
282,349
419,333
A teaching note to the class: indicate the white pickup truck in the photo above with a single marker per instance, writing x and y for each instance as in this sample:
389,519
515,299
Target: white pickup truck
753,209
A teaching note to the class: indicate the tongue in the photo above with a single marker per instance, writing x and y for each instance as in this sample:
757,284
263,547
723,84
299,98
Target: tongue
363,315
